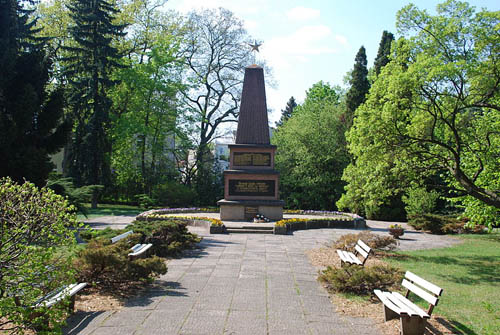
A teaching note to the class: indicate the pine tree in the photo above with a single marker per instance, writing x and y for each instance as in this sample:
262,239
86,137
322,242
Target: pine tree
88,72
287,112
359,85
31,109
384,50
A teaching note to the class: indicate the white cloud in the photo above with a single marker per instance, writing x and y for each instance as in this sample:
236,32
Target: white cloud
341,39
302,13
298,46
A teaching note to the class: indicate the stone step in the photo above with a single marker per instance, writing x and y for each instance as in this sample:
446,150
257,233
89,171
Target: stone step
249,230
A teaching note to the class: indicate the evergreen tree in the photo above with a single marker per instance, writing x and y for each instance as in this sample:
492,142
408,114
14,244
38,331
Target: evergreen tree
384,51
31,110
359,85
287,112
88,73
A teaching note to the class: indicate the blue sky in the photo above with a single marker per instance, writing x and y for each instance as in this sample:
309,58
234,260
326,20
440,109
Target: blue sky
308,41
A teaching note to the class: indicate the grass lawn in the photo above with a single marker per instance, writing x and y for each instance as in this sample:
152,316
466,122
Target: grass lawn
469,274
105,210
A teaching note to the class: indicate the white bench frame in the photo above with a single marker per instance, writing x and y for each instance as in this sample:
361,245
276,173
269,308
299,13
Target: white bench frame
58,295
360,249
137,250
413,318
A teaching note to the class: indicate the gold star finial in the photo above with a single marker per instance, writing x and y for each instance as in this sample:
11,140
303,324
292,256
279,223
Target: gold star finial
255,46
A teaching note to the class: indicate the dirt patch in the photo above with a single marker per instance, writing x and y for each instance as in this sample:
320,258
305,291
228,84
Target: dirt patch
373,309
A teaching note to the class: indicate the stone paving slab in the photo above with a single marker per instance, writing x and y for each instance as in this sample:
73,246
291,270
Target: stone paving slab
268,288
242,284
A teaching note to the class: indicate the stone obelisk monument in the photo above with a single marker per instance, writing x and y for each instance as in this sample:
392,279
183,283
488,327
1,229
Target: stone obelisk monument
251,184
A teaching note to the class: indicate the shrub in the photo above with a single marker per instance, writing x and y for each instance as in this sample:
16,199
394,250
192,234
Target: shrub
418,200
35,224
169,238
173,194
107,265
437,224
360,280
348,241
107,233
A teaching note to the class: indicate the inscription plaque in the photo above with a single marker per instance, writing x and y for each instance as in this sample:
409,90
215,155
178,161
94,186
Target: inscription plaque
252,159
252,187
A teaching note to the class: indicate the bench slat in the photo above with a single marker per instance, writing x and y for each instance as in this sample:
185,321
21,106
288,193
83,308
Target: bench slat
424,283
56,296
352,258
420,292
139,249
417,310
384,297
121,236
361,251
364,246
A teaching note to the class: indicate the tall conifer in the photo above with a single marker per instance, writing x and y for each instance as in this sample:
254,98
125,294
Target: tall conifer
90,64
31,109
384,51
287,112
359,85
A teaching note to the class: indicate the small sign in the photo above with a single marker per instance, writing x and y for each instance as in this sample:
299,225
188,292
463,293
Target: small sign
251,212
252,187
252,159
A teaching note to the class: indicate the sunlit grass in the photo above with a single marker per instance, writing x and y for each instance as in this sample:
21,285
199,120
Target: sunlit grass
469,274
110,210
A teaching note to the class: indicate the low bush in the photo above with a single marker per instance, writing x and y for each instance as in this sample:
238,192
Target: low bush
108,265
361,280
374,241
107,233
34,225
439,224
169,237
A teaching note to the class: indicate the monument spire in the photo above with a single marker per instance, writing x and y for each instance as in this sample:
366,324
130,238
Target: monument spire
253,125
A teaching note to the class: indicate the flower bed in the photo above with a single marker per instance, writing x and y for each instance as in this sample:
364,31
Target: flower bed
301,224
177,211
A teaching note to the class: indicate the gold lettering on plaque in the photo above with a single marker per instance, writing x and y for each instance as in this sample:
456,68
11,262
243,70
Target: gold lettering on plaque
251,159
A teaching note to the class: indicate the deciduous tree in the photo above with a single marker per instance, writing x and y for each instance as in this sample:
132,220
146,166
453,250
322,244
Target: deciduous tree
435,109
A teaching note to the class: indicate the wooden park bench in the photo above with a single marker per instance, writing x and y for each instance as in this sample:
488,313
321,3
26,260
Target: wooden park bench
360,249
138,249
413,318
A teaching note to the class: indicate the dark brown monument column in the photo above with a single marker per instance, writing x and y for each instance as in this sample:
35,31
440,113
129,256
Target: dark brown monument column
251,185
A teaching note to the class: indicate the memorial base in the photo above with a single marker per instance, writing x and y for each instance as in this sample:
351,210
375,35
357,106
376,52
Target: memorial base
245,210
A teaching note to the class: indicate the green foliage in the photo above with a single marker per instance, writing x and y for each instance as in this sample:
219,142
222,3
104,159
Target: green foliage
374,241
420,201
361,280
76,196
384,51
173,194
359,85
32,125
433,108
34,225
287,112
88,67
169,238
100,234
311,151
107,265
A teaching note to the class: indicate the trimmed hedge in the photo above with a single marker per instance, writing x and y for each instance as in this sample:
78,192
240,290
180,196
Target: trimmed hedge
440,224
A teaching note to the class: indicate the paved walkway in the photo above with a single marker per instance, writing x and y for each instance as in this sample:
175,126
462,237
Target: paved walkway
240,284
